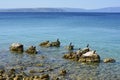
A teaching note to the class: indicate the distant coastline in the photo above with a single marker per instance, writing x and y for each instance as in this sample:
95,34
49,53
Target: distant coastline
107,10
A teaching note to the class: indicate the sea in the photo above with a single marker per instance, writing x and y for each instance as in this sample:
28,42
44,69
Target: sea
100,30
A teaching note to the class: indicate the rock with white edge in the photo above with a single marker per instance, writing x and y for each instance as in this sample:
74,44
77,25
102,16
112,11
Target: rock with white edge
16,47
85,50
90,56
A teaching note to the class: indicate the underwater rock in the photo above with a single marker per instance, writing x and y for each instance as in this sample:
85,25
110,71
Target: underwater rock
16,47
70,47
31,50
2,71
18,77
28,78
2,75
44,77
39,65
36,78
55,78
32,71
12,71
63,72
109,60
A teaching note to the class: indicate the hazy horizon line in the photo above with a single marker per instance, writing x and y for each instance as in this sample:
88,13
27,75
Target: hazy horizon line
60,8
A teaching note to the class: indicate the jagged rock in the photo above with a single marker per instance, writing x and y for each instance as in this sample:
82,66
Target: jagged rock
70,47
36,78
81,56
55,44
31,50
62,72
2,71
44,76
85,50
50,44
39,65
70,55
16,47
29,78
109,60
90,56
79,52
55,78
32,71
18,77
45,44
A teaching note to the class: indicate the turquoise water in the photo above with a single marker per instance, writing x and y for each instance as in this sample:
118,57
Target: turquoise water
100,30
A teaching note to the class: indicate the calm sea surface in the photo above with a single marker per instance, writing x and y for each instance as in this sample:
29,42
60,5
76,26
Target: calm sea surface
100,30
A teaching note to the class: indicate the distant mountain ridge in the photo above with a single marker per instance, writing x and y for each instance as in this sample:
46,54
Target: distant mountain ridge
109,9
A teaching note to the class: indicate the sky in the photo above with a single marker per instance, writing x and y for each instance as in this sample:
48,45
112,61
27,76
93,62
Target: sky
85,4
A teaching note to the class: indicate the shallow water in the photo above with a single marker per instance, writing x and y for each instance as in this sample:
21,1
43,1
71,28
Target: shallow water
100,30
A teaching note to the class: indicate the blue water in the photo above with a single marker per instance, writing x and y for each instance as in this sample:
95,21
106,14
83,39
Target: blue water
100,30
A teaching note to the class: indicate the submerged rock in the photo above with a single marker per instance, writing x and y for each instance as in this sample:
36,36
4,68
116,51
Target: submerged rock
18,77
62,72
16,47
31,50
109,60
36,78
44,77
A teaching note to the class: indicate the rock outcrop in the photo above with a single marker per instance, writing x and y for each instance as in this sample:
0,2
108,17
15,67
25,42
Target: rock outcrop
90,56
45,44
70,47
109,60
50,44
16,47
31,50
62,72
55,44
84,55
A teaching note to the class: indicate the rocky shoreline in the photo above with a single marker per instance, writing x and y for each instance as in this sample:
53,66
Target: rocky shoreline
85,55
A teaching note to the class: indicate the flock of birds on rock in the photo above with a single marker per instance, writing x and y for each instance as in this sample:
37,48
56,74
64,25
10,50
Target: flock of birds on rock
81,55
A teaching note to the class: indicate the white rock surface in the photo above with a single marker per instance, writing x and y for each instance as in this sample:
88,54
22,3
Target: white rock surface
16,44
90,53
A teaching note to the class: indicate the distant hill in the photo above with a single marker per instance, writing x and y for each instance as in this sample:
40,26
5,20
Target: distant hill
109,9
